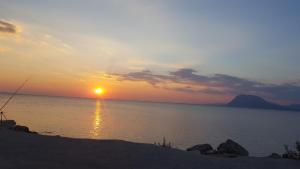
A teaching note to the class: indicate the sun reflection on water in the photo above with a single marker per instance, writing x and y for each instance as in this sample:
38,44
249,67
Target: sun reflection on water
97,122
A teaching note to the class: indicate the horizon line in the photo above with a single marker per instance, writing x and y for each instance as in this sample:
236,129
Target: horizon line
114,99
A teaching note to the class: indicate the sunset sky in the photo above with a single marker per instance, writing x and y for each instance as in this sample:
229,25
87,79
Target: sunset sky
191,51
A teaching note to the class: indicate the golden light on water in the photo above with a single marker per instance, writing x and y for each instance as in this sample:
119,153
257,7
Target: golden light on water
97,122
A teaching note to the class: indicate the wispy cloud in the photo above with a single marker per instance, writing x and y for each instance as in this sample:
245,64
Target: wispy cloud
188,80
8,27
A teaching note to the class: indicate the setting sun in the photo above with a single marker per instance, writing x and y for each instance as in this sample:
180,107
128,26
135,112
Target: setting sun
98,91
141,83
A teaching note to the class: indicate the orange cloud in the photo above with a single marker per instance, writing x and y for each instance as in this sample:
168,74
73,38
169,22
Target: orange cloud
2,50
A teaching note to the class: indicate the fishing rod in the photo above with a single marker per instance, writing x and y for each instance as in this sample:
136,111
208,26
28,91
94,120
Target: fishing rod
9,99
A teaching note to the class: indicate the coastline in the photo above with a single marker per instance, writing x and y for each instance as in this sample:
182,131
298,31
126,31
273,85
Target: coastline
25,150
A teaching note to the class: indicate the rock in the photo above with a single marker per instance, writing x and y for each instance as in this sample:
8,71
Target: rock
233,148
202,148
290,155
34,132
211,152
275,155
20,128
228,155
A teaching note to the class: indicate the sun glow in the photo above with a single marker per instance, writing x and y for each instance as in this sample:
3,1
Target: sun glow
98,91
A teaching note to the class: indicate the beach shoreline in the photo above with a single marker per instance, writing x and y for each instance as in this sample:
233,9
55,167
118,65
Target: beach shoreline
26,150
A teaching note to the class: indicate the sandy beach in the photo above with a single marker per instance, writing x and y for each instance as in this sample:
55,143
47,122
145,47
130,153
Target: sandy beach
34,151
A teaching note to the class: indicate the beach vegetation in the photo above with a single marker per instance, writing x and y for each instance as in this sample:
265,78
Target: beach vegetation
164,144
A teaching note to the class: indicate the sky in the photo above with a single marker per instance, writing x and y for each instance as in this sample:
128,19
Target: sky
191,51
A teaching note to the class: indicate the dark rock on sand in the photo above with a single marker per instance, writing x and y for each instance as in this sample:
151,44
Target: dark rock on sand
202,148
211,152
232,148
290,155
275,155
20,128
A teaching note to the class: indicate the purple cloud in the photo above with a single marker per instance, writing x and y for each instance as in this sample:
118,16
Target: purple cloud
187,80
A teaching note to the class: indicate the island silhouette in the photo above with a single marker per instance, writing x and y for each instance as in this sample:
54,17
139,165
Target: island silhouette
252,101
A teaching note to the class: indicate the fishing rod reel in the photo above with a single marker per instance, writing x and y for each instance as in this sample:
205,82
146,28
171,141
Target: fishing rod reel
4,122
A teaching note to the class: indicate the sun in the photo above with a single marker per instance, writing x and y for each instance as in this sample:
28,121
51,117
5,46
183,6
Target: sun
98,91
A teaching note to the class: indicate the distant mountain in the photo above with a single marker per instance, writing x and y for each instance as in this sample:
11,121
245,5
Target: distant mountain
295,106
251,101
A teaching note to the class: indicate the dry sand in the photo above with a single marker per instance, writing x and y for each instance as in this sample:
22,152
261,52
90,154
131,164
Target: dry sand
31,151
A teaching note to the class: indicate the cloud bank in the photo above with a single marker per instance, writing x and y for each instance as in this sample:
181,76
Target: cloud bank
188,80
7,27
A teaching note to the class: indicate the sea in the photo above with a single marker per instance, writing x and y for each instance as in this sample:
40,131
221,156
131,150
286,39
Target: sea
261,132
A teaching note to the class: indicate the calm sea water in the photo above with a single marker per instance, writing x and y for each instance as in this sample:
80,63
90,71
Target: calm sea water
260,131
